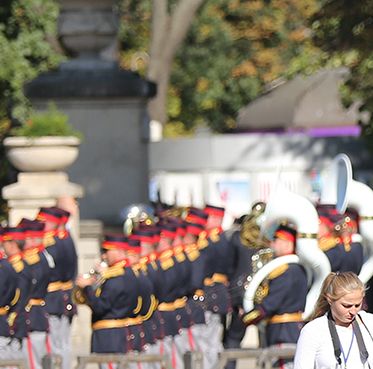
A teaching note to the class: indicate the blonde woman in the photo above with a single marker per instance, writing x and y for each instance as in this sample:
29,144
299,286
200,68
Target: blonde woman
339,333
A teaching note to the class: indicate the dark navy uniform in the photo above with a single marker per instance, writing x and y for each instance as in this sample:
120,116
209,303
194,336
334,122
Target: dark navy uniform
218,268
113,304
144,332
344,255
283,305
154,275
54,253
168,275
196,298
339,240
58,259
236,329
38,344
69,272
183,267
18,326
37,316
9,294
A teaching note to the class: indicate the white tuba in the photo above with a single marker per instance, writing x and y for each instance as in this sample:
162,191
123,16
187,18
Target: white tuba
285,205
359,196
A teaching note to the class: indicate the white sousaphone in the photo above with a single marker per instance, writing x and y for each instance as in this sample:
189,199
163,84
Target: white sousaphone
359,196
286,205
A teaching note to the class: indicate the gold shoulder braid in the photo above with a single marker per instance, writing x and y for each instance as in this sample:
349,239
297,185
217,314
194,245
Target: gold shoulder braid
138,307
135,270
11,318
202,240
166,259
192,252
112,272
327,243
98,292
214,235
278,271
16,296
179,254
32,256
18,265
49,239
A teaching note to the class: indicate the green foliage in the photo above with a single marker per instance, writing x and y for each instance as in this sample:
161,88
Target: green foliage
344,30
52,122
25,27
234,49
24,30
134,33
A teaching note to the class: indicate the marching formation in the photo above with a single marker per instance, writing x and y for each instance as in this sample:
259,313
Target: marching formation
38,266
173,283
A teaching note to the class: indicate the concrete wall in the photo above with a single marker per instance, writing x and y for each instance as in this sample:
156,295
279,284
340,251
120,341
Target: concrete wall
113,160
236,170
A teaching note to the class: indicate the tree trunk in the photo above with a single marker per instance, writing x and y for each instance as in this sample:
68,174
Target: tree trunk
168,32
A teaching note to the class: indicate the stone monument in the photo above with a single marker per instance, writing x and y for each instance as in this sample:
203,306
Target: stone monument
106,103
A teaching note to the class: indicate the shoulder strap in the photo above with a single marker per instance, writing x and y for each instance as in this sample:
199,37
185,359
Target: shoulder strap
360,342
365,326
335,339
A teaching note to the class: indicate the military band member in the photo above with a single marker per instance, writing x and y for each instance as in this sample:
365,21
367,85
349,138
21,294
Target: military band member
36,312
149,236
113,299
350,242
69,268
340,241
286,298
219,262
144,331
13,244
196,298
184,341
10,347
235,328
54,298
169,291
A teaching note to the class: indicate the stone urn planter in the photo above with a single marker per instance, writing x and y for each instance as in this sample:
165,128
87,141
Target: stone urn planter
42,154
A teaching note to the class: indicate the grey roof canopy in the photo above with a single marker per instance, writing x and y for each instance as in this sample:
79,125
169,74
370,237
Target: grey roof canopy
304,102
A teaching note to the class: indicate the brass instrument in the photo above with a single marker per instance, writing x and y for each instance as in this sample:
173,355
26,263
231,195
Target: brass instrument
177,212
135,214
78,295
250,228
258,260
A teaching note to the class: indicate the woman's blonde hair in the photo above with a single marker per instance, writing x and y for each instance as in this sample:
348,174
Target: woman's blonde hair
335,286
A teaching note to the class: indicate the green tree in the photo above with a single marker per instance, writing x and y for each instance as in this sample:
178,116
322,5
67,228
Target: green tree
26,26
344,30
234,50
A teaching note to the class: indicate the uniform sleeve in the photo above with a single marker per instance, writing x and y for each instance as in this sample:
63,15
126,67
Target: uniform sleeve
278,292
197,275
305,354
101,300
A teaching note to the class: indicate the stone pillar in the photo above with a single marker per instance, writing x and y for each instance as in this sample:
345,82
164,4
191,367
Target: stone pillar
35,190
106,103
